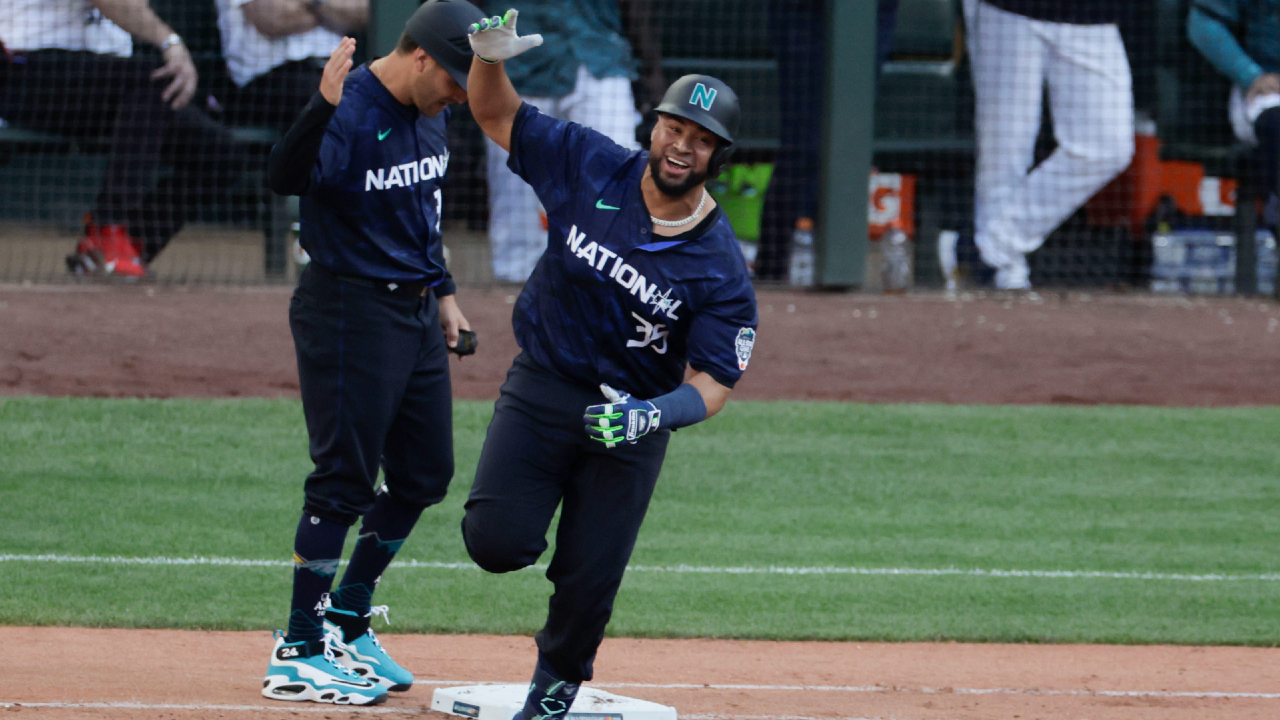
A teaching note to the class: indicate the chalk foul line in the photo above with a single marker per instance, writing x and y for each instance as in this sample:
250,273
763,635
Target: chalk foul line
307,708
1189,694
279,707
332,709
686,569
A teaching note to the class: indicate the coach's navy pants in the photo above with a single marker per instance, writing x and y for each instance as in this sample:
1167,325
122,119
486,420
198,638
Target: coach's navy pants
536,457
374,372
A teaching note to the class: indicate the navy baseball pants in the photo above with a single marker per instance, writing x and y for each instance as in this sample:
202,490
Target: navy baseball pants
374,372
536,457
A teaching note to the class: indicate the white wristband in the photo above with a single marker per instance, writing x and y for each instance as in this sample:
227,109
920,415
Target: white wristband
173,39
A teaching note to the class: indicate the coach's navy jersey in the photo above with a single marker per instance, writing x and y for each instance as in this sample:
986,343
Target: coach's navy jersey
610,302
373,205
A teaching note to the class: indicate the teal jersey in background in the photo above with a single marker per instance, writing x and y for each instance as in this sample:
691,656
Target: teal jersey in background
1241,38
574,33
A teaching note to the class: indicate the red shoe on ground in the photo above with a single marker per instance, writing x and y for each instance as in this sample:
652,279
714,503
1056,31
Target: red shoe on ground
121,253
88,258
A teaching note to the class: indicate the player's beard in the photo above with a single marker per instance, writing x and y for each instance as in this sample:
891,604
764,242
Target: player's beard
675,190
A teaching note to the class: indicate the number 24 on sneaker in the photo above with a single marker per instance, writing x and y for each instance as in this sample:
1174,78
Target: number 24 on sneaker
306,670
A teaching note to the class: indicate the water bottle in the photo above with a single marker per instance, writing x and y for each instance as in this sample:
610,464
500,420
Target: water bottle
802,253
895,261
947,259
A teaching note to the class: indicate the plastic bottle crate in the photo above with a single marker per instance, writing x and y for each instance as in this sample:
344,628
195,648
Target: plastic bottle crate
1204,262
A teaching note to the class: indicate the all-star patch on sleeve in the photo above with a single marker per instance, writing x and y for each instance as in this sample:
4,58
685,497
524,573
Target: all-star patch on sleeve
554,156
723,333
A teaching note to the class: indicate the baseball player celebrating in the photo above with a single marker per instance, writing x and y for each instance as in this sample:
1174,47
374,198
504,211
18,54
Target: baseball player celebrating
642,277
371,318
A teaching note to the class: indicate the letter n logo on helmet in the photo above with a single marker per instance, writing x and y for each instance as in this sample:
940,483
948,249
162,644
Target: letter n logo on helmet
702,97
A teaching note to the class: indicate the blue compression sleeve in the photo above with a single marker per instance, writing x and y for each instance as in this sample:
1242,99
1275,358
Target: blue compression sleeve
681,407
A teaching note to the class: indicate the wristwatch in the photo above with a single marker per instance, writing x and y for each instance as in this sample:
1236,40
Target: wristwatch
173,39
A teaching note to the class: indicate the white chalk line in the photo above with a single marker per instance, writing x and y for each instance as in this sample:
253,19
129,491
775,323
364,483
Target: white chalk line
713,716
1038,692
684,569
351,709
347,709
290,708
1188,694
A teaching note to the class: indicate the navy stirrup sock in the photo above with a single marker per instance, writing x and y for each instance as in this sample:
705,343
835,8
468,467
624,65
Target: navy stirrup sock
549,696
317,547
384,531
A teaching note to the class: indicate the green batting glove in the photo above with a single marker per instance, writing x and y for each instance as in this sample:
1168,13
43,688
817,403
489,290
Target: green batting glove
494,39
622,418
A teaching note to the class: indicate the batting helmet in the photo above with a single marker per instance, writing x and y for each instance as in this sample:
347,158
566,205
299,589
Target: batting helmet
710,103
440,27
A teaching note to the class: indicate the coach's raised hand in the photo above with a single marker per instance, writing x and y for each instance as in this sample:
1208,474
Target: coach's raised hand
495,39
335,71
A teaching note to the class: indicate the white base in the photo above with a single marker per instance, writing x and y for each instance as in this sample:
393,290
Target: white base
500,702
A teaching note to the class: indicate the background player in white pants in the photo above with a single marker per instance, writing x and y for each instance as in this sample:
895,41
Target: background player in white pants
1017,46
585,77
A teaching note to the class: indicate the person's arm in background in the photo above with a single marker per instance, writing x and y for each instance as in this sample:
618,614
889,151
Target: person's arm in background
137,18
342,16
282,18
645,36
1209,29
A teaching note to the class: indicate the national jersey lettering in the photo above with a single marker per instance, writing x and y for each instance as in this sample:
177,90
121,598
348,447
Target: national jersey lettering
622,273
428,168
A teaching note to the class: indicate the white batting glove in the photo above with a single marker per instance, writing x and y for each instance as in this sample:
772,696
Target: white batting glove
612,395
494,39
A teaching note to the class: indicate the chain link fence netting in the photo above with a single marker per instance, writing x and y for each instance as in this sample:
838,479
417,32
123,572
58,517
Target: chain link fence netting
1017,143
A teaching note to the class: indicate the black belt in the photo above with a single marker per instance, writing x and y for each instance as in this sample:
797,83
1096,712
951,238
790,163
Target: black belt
395,287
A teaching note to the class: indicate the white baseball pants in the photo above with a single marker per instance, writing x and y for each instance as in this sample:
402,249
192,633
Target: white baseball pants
1091,99
517,233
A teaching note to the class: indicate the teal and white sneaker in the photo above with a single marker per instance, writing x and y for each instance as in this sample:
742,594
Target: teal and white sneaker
306,670
356,648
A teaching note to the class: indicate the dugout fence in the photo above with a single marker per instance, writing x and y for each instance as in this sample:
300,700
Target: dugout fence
1096,148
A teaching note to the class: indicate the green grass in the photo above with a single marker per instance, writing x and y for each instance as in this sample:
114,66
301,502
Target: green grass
794,485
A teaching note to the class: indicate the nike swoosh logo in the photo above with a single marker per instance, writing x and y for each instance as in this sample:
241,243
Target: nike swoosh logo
601,206
384,133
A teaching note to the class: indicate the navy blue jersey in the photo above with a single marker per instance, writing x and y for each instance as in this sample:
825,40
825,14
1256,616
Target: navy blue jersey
610,302
372,206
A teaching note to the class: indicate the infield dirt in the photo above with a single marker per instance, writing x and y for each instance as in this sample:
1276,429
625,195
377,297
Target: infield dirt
1077,348
181,674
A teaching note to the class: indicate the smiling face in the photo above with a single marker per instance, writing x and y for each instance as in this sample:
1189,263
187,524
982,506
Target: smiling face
679,152
431,87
